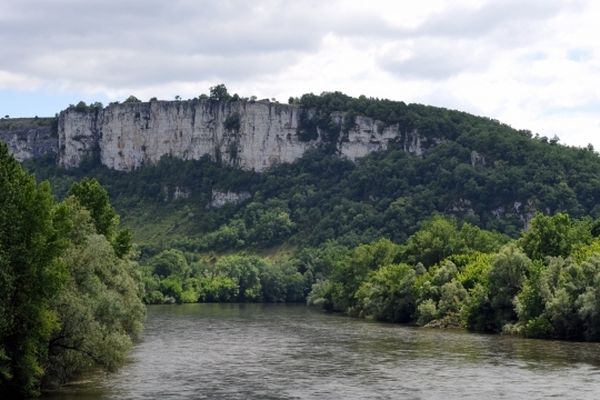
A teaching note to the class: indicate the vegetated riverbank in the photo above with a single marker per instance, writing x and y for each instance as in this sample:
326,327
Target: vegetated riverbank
68,261
70,296
546,284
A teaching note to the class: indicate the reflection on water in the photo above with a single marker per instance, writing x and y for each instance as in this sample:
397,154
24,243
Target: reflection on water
231,351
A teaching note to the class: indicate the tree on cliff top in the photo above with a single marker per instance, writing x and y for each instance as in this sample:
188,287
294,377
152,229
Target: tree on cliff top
219,93
132,99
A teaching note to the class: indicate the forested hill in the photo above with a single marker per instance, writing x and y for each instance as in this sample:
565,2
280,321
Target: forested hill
476,169
393,236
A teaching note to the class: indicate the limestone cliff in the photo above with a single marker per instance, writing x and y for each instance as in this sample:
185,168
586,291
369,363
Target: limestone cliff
29,137
246,134
249,135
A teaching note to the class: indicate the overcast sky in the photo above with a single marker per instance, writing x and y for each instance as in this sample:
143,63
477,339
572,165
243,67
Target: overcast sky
534,64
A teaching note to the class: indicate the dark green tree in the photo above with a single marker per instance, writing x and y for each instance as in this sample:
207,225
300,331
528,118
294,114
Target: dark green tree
92,196
219,92
30,275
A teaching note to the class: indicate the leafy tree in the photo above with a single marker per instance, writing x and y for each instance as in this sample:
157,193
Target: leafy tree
219,288
80,107
132,99
245,271
68,303
30,275
387,293
219,93
552,236
170,262
94,197
100,311
509,269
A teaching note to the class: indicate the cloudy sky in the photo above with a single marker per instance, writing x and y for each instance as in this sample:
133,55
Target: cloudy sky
534,64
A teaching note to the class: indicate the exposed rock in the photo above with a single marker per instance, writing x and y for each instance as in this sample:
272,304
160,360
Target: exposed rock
461,206
528,213
525,212
248,135
181,193
220,199
175,193
477,159
517,206
78,136
29,137
131,134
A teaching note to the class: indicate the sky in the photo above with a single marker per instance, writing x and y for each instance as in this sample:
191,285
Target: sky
533,64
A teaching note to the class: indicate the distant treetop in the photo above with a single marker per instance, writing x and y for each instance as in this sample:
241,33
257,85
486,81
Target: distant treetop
219,92
132,99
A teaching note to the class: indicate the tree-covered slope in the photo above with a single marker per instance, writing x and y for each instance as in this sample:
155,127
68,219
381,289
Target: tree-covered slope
393,236
474,168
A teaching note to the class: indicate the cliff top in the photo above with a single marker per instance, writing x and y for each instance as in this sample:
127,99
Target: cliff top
7,124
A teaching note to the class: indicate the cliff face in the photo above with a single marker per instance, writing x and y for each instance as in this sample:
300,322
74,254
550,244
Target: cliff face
249,135
29,137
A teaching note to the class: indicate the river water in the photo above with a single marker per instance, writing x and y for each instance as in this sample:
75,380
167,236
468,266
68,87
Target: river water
255,351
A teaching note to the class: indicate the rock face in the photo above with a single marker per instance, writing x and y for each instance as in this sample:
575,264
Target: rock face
248,135
245,134
220,199
29,137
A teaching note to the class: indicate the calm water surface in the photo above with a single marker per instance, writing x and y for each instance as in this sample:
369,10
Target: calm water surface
230,351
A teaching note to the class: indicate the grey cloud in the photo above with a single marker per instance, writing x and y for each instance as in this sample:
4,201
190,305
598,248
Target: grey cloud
432,60
153,42
508,15
458,40
133,43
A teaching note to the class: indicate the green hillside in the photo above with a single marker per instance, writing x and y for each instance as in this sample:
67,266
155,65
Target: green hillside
436,239
477,170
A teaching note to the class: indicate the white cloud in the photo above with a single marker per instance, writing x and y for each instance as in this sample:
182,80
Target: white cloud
533,64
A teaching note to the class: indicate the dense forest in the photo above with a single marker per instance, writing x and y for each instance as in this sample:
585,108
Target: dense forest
490,229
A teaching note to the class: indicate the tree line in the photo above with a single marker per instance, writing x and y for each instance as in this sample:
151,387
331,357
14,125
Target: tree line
70,294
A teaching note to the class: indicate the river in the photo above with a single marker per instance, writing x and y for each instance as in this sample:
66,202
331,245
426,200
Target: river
259,351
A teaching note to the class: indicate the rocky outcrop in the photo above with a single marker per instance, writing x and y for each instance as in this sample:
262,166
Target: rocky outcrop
251,135
78,136
248,135
29,137
220,199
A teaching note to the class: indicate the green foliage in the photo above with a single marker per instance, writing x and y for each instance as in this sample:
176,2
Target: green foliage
508,271
170,262
245,271
554,235
477,281
170,278
83,107
122,243
92,196
282,282
222,289
388,293
233,123
307,126
219,93
67,301
441,237
30,275
100,311
132,99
